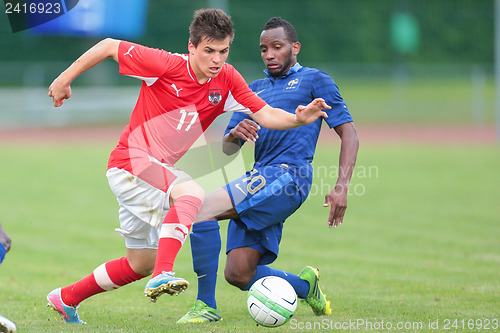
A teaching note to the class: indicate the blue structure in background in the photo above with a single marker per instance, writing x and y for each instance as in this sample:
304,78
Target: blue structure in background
97,18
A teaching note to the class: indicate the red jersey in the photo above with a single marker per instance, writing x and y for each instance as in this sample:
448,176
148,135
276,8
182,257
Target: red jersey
173,109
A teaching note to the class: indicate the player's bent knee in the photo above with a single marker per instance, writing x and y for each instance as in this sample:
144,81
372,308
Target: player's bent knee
237,278
189,187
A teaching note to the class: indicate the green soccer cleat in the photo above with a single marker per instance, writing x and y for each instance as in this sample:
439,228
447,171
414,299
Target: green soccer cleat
315,298
200,313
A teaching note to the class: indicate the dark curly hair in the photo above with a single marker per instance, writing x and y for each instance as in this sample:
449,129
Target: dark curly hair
276,22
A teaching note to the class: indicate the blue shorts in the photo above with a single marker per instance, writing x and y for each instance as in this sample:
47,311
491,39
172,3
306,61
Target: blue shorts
264,198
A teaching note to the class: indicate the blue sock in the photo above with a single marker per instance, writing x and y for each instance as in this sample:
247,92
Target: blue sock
301,286
205,248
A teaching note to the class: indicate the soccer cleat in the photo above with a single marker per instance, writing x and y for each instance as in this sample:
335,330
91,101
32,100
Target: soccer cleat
68,313
200,313
315,298
164,283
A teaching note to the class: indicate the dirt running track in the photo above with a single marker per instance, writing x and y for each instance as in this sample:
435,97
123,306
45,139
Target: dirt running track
393,134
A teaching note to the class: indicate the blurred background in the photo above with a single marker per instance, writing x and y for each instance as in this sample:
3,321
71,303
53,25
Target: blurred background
420,62
420,241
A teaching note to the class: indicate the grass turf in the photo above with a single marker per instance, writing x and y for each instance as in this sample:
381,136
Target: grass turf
424,101
419,244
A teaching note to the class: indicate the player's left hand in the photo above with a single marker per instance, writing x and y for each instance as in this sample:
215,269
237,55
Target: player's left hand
337,200
246,130
312,111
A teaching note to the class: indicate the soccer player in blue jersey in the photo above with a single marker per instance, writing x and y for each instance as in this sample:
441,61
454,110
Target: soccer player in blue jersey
259,202
4,243
6,325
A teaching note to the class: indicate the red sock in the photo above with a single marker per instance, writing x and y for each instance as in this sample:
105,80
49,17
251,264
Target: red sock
174,231
108,276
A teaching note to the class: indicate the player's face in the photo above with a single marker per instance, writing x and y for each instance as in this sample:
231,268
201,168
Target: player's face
277,52
208,57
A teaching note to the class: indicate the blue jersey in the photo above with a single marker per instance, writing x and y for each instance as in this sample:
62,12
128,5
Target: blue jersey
295,147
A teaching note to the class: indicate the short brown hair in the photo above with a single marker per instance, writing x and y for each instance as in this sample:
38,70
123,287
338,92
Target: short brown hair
211,24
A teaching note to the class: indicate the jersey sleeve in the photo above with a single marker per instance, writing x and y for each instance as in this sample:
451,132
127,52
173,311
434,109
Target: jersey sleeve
326,88
241,98
142,62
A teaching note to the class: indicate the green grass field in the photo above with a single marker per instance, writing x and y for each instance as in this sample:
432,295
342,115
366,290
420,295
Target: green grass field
421,101
419,244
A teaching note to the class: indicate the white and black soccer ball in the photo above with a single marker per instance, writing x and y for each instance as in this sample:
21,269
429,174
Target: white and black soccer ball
271,301
6,325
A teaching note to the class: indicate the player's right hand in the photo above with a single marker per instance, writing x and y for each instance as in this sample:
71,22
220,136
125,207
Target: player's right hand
246,130
59,91
312,111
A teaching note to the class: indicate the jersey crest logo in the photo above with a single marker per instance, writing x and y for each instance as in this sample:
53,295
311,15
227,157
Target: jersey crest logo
292,85
214,96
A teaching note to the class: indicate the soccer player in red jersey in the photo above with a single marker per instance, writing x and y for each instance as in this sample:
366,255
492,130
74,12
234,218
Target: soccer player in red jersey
180,96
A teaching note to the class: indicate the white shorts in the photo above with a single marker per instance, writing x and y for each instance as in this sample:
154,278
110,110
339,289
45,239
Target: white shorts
142,206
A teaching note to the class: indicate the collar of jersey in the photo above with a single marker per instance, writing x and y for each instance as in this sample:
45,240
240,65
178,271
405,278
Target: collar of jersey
292,70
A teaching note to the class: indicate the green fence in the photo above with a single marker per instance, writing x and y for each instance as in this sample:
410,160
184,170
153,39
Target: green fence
422,61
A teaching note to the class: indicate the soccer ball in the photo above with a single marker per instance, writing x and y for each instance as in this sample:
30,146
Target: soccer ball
271,301
6,325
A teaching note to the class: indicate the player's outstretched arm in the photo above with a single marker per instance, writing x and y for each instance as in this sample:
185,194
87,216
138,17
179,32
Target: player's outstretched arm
275,118
337,197
245,130
60,89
